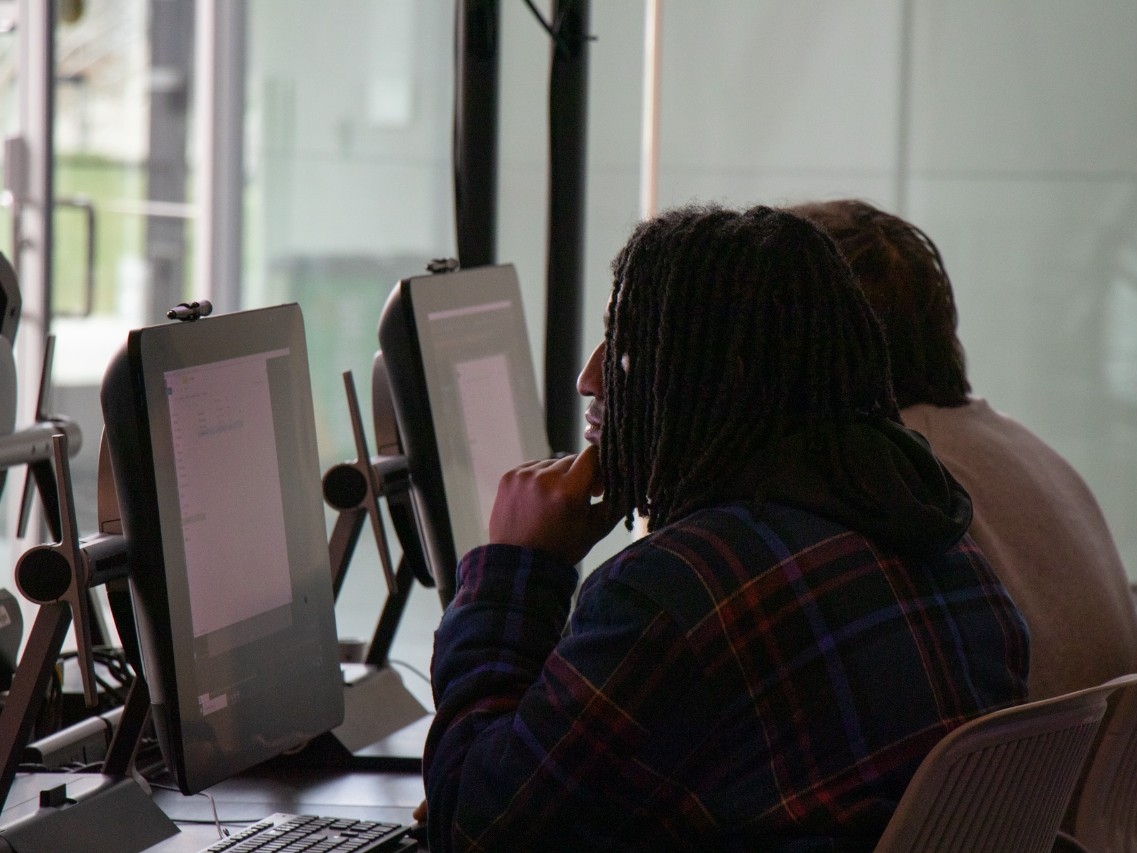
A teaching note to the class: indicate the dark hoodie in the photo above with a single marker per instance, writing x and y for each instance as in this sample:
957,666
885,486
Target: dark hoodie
886,484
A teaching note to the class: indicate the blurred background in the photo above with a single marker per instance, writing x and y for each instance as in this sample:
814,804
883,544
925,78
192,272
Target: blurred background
262,151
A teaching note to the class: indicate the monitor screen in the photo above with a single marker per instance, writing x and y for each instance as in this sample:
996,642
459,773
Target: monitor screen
212,440
461,374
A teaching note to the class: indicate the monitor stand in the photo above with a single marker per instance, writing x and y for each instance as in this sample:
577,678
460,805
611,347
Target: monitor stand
384,725
107,812
92,812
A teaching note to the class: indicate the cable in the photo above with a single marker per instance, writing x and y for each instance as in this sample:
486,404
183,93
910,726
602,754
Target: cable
553,34
555,29
113,660
222,832
411,668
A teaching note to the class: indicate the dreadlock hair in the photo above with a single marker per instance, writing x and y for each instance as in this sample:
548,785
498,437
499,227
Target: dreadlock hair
726,331
903,276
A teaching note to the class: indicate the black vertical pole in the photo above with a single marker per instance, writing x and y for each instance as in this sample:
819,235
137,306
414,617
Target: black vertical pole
47,236
477,35
167,171
568,131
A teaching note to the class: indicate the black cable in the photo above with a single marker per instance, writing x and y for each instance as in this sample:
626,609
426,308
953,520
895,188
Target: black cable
554,29
113,660
553,34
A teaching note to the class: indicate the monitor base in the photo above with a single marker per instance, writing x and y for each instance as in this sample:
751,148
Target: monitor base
49,812
384,726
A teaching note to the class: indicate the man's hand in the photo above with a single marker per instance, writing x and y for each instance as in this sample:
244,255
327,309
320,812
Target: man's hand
548,505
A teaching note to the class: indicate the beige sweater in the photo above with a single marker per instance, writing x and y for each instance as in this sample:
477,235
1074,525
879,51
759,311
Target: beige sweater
1041,528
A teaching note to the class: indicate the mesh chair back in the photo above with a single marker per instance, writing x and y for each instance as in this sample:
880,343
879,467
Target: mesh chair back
1001,782
1105,809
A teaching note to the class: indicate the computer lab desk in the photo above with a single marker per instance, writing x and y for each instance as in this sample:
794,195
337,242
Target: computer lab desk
335,792
356,790
300,788
362,794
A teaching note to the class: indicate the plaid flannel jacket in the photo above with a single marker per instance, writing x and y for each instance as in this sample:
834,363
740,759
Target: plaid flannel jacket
753,677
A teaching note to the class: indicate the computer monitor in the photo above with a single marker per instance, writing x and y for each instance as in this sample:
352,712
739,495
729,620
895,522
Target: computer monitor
212,440
10,300
464,389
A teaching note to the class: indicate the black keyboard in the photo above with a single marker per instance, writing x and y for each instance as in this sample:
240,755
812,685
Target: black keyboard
288,833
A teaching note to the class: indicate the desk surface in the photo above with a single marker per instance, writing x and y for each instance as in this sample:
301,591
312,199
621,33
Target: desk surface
389,797
332,792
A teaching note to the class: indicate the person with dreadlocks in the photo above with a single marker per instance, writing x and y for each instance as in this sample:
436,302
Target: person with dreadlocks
1034,516
805,619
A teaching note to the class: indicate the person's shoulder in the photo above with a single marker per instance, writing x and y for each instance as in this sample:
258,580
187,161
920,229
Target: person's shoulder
691,534
716,548
1012,429
971,433
966,435
677,565
705,533
976,416
938,422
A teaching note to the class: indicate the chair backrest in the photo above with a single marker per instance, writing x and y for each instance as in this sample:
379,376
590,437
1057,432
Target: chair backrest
1001,782
1104,810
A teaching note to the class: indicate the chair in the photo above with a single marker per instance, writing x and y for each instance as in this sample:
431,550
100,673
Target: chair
1001,782
1103,815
